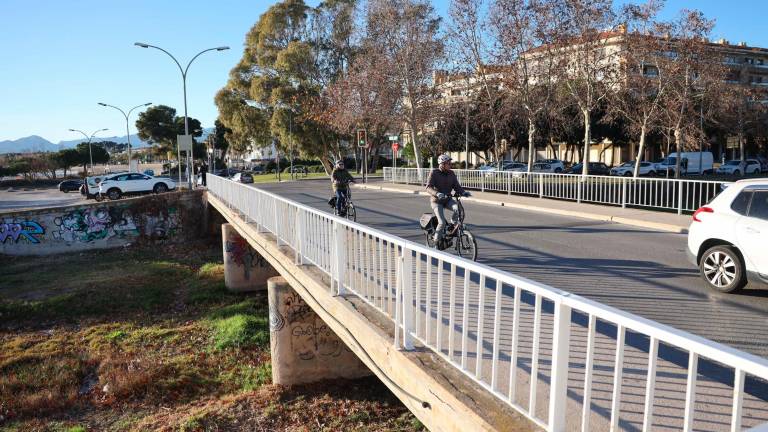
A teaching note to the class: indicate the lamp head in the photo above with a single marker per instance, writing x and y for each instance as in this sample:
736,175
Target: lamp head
102,104
141,44
222,48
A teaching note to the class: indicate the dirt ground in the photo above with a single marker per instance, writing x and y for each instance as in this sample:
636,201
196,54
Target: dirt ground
149,339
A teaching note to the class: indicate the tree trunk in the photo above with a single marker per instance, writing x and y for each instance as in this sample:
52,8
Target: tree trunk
742,155
640,150
678,146
415,140
587,139
531,141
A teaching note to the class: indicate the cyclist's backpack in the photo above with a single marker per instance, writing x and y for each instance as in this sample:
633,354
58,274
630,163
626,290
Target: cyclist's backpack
332,202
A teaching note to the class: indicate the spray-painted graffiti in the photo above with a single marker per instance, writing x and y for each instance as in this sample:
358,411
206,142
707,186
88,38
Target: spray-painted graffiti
241,254
103,223
310,336
27,230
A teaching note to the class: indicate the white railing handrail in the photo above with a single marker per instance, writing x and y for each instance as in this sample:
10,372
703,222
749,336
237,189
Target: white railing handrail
731,357
648,192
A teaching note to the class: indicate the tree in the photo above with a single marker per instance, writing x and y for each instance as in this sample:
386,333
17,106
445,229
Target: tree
67,158
474,40
405,33
586,47
526,37
85,152
694,72
159,125
639,99
291,54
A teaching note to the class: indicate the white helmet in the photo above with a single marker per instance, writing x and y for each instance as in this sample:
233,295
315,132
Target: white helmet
340,163
443,158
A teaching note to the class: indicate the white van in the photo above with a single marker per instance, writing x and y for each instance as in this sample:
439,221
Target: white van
690,163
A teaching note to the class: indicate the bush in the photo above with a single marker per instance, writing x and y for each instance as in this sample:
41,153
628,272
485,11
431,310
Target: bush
240,331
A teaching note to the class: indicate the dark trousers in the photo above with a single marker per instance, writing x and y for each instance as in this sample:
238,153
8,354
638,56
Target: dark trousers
341,200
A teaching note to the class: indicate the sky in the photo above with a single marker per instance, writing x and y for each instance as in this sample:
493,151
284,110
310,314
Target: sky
59,58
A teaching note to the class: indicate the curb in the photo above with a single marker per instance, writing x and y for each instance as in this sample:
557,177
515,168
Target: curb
659,226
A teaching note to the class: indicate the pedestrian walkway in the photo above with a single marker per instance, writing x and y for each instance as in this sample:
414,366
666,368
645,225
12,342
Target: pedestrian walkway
656,220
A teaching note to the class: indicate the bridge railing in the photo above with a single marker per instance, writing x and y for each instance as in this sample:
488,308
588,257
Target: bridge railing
516,338
657,193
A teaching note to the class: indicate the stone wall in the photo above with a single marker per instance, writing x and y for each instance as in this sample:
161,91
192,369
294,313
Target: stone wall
170,217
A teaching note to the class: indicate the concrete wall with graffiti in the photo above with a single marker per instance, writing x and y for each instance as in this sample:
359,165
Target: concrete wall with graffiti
149,219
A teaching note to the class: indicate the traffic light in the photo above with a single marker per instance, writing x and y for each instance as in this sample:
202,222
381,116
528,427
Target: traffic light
362,138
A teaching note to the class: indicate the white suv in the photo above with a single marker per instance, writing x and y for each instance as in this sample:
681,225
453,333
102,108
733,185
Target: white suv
627,169
727,238
131,183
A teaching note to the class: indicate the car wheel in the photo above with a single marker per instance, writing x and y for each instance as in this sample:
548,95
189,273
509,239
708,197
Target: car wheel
722,269
737,173
628,174
160,188
65,190
558,170
114,194
652,174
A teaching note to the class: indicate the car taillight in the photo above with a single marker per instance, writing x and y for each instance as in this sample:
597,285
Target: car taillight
701,210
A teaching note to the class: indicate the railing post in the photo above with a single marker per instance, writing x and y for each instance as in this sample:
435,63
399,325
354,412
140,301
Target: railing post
406,289
340,254
623,192
482,182
679,197
509,183
578,190
561,342
298,259
541,186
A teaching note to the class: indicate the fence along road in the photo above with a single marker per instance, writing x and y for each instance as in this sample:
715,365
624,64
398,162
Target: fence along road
654,193
566,362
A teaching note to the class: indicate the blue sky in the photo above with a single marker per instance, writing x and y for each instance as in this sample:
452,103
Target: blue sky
59,58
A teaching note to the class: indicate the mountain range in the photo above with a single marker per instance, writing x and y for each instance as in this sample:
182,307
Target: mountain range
35,143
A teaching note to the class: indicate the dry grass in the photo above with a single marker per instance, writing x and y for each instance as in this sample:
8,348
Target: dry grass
149,339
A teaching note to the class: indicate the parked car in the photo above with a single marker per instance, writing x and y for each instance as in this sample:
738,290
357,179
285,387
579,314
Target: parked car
543,167
515,166
595,168
258,169
627,169
689,163
737,167
70,185
727,238
763,163
557,165
115,186
242,177
90,187
297,169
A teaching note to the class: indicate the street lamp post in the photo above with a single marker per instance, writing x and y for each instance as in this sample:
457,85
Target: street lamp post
184,82
89,138
127,131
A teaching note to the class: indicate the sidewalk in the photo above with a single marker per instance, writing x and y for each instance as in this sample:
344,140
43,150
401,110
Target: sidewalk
656,220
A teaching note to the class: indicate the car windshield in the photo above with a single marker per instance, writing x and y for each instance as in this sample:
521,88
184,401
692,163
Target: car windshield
733,162
628,164
672,160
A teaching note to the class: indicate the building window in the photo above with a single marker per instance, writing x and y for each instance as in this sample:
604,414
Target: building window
650,71
749,60
455,92
731,60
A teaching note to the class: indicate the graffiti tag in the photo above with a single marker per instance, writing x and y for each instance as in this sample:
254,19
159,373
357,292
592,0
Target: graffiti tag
16,230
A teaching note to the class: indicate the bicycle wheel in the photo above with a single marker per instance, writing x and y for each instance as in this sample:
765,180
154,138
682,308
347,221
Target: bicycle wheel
430,239
351,212
466,246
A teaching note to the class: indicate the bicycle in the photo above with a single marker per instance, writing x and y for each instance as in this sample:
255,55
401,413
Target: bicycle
456,235
348,206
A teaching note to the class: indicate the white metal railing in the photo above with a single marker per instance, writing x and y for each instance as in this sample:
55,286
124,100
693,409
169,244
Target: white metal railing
648,192
516,338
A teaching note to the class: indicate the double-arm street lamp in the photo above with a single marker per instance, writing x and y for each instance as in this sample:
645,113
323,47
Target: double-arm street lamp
184,82
127,131
89,138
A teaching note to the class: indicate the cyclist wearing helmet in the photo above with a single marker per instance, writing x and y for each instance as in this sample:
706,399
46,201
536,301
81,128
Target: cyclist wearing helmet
341,178
442,182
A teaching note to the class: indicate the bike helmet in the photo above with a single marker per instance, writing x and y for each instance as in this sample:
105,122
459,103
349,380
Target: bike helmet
443,158
339,163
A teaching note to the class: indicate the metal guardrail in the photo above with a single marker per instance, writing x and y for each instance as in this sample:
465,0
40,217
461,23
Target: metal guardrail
516,338
648,192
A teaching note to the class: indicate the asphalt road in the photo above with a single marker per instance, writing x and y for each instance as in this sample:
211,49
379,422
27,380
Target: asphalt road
639,271
25,198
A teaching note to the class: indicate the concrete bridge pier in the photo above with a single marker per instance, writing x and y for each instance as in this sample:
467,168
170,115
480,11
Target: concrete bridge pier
304,349
244,268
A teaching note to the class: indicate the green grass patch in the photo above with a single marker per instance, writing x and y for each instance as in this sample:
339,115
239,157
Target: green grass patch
241,331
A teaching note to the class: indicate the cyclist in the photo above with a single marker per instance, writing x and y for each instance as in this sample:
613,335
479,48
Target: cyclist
341,178
442,182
